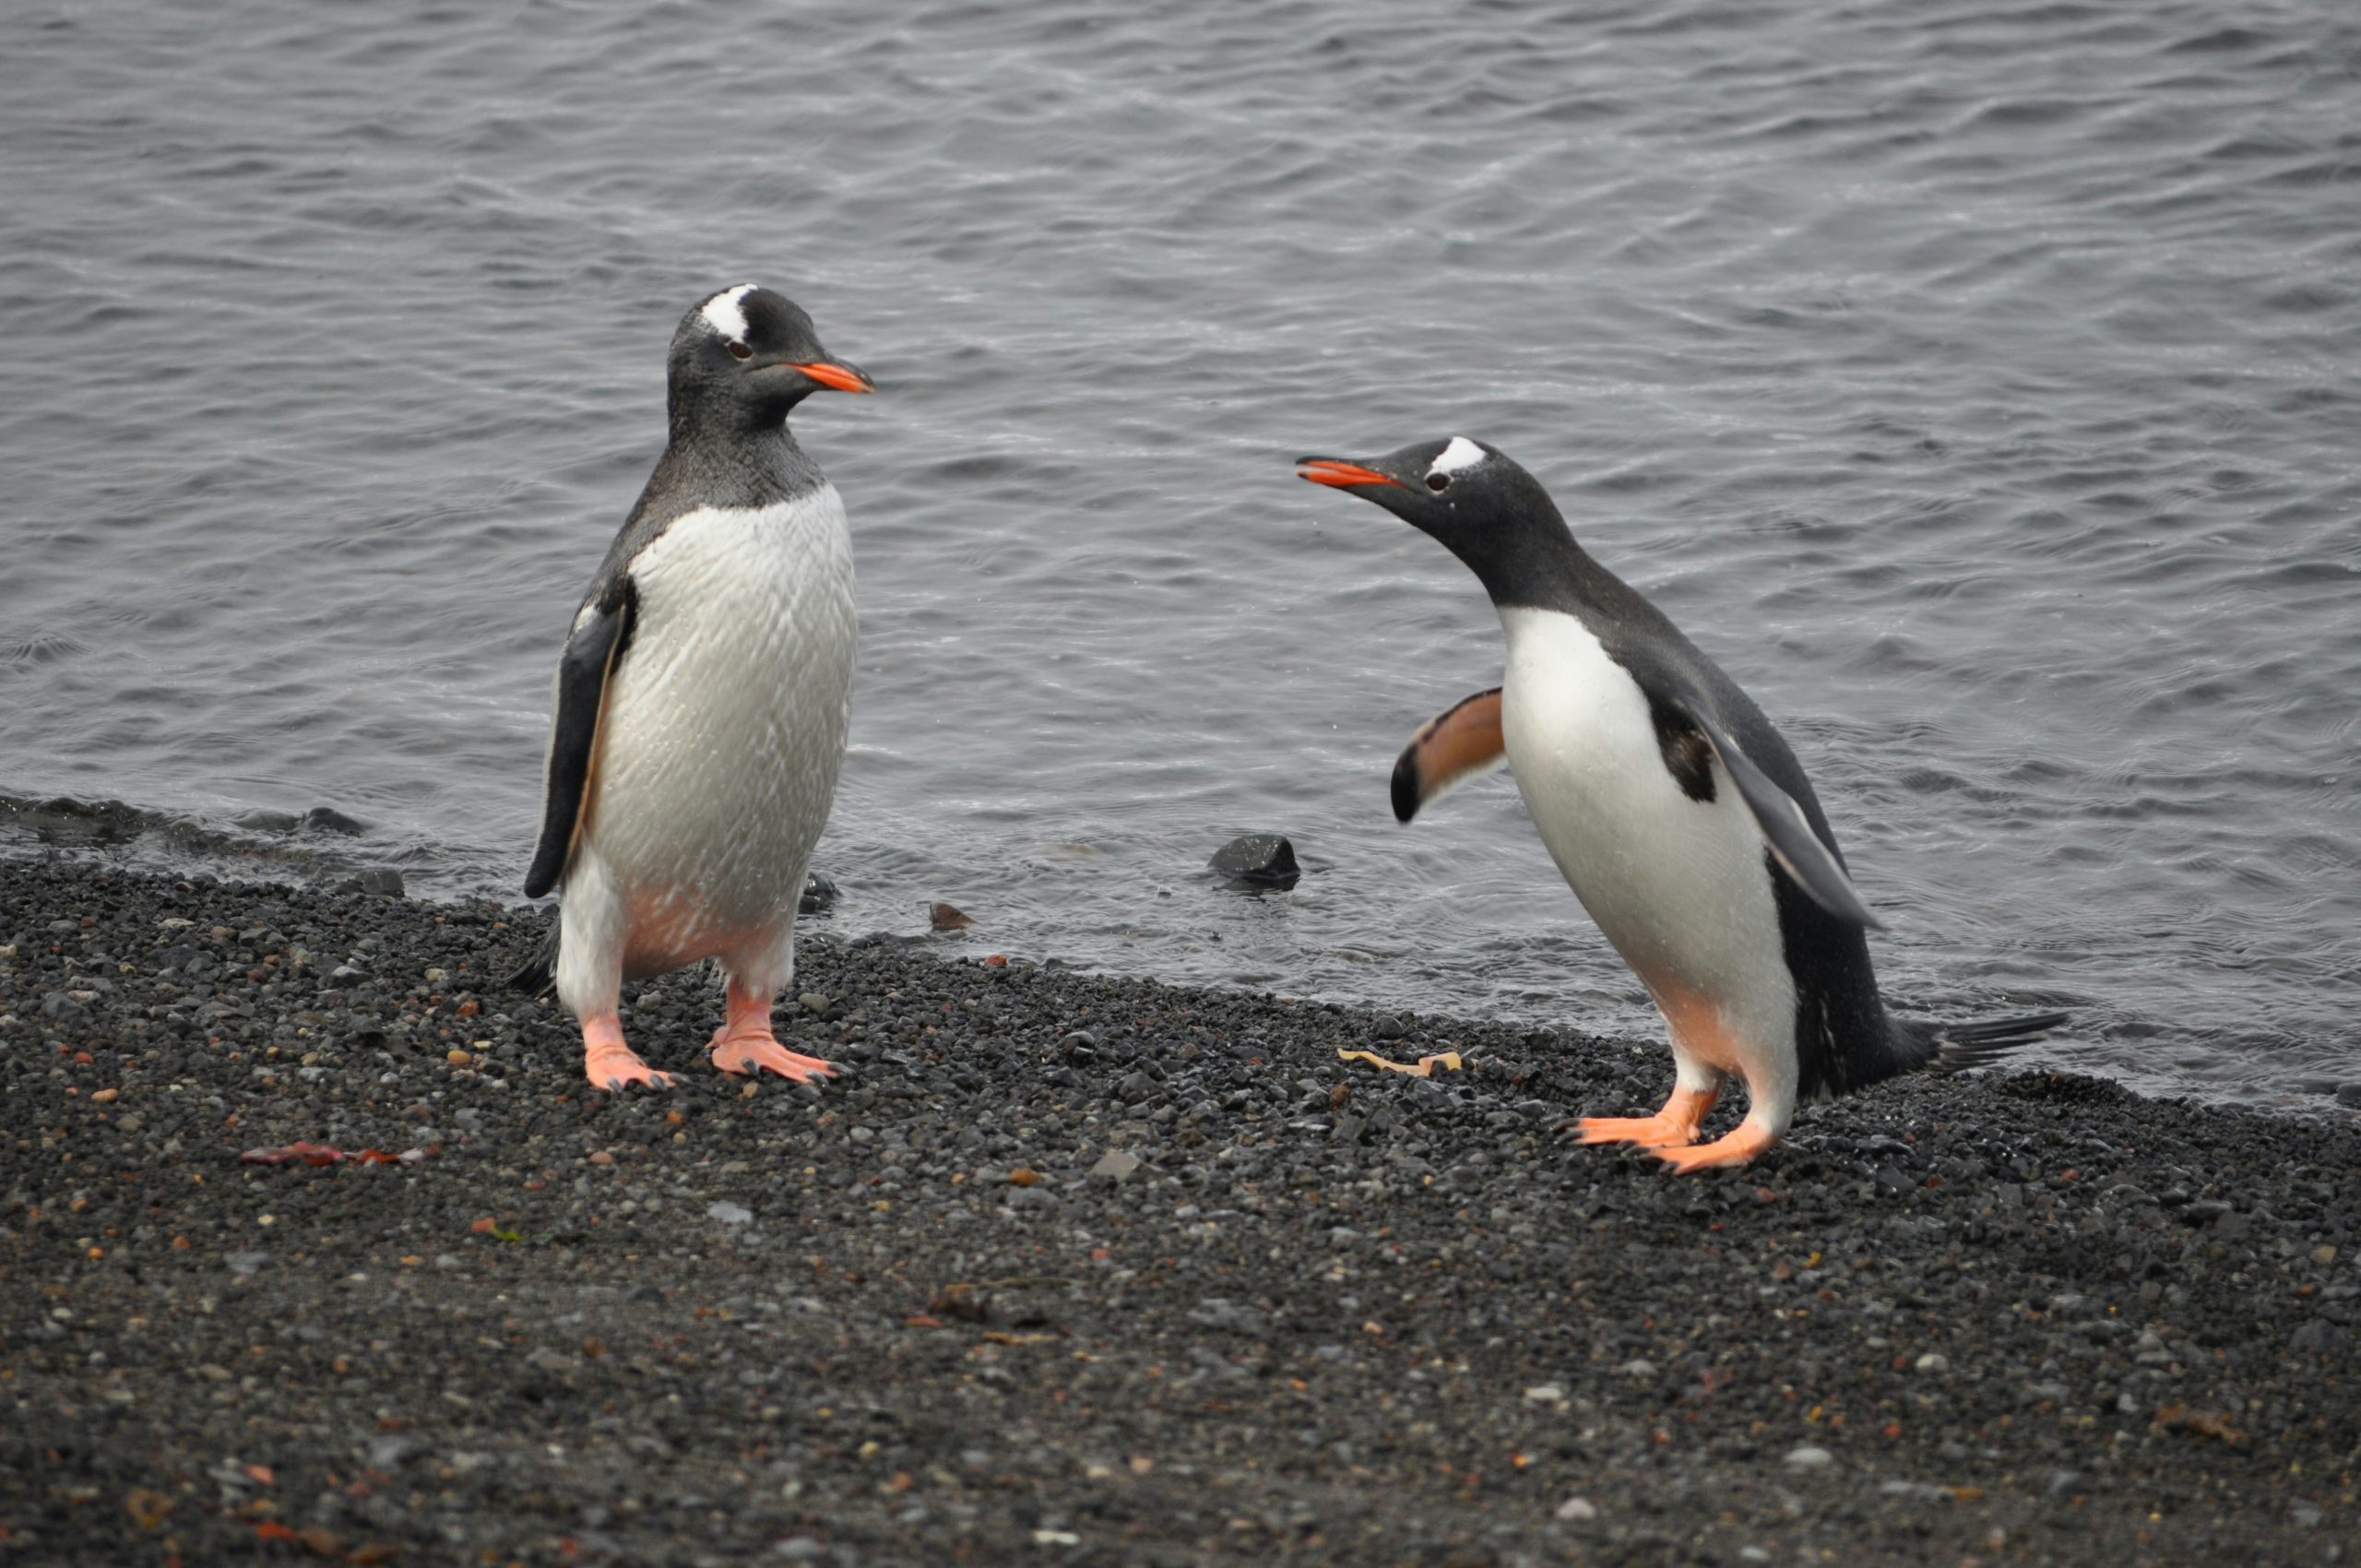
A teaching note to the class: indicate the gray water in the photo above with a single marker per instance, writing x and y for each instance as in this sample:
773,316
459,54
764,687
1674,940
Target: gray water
1975,381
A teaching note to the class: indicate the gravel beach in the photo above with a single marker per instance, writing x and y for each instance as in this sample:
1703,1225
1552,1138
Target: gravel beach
1075,1269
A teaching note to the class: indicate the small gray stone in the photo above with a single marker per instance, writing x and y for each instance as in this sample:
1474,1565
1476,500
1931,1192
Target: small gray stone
731,1214
387,1453
1808,1458
2318,1337
1233,1316
248,1264
1115,1163
60,1008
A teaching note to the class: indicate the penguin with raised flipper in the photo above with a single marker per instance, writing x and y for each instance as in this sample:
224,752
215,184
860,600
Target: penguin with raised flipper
1672,807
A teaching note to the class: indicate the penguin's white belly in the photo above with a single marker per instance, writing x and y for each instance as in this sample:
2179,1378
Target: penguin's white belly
724,729
1681,887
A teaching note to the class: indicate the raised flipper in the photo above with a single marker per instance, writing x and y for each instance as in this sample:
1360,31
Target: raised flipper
599,635
1809,863
1453,746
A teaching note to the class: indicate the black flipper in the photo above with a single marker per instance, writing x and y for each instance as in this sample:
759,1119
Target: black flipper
582,671
1809,863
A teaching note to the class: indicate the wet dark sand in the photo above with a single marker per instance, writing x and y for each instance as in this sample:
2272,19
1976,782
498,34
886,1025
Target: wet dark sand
1329,1315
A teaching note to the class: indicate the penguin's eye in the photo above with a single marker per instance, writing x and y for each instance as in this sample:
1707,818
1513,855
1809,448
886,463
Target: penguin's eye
1438,482
740,352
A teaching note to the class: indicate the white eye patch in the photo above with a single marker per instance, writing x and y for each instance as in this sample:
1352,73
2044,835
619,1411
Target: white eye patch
1461,454
726,313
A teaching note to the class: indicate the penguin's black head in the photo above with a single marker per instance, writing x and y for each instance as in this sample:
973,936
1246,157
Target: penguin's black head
1471,497
747,355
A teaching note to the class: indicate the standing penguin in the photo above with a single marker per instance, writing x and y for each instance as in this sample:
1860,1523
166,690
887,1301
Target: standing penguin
1673,809
701,700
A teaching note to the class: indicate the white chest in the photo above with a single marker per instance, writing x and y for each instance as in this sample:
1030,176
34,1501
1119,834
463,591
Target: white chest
765,584
1679,886
726,719
1576,723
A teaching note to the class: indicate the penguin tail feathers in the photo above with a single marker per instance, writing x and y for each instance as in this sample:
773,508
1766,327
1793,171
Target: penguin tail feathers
539,975
1956,1048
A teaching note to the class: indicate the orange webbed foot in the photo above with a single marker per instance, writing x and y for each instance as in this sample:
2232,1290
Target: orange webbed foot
745,1043
610,1065
1675,1124
1648,1132
761,1053
1742,1145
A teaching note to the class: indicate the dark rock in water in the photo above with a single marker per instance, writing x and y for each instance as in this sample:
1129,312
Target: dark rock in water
383,880
2350,1094
327,819
1265,860
947,917
319,819
267,822
65,820
819,895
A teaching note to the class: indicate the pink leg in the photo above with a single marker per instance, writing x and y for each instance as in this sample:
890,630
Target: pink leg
745,1043
1745,1141
1675,1124
610,1064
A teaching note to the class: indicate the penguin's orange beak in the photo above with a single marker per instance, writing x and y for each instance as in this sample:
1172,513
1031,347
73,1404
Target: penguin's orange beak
838,377
1343,475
